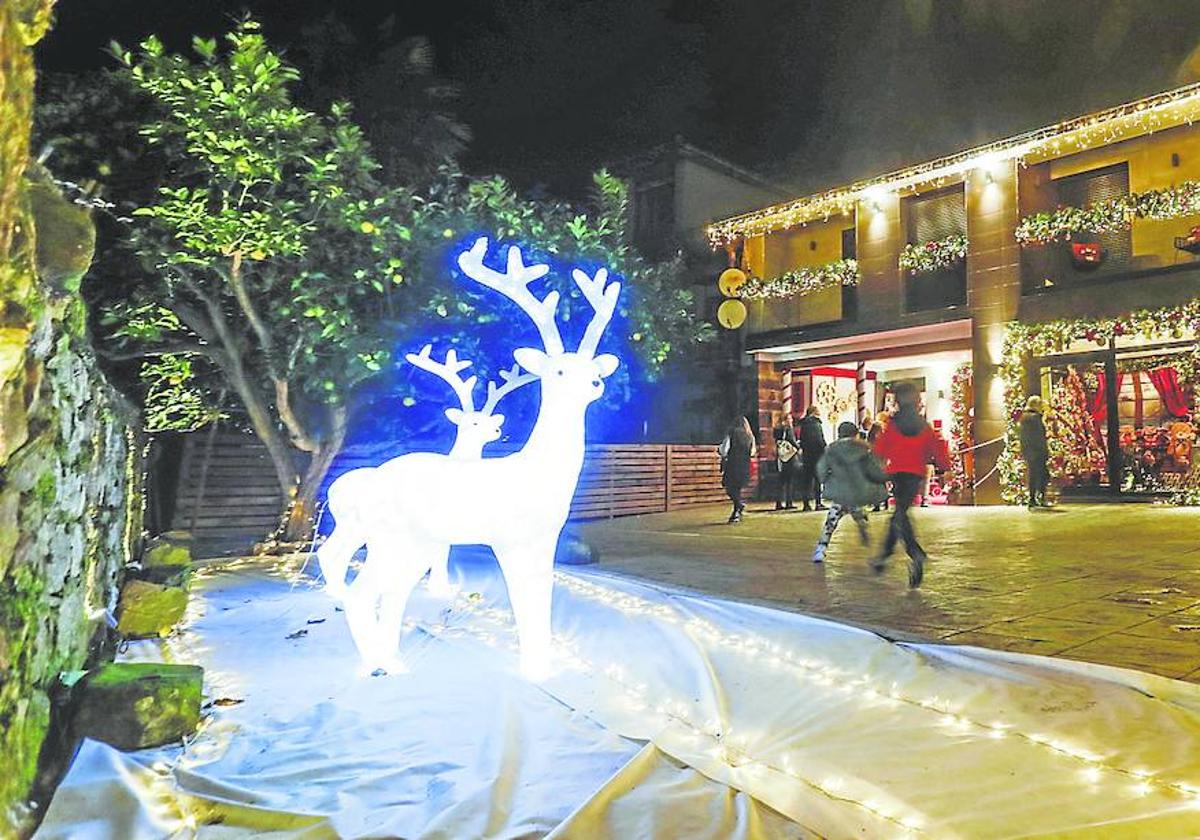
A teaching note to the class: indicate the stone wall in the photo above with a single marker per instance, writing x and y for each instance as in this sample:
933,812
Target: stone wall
70,506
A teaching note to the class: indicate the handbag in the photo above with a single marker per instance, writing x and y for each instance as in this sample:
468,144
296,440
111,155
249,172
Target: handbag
785,451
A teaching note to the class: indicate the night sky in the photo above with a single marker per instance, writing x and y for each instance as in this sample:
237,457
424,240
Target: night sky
808,93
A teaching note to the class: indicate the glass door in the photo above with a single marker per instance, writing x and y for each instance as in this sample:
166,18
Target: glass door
1075,405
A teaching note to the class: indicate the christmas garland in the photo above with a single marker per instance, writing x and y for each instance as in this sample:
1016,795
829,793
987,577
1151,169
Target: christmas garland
1110,215
1024,340
961,438
934,254
802,281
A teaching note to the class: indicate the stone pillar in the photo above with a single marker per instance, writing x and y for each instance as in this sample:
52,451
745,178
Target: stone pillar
993,295
769,407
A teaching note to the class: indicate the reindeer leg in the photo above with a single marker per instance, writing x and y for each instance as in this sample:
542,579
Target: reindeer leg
334,557
529,575
377,599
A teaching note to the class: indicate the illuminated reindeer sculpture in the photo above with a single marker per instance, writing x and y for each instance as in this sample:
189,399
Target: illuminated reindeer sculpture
423,503
349,490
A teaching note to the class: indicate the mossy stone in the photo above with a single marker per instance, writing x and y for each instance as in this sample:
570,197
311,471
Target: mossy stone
135,705
166,553
66,237
149,609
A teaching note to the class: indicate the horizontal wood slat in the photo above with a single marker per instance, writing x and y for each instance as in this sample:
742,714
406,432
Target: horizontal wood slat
240,496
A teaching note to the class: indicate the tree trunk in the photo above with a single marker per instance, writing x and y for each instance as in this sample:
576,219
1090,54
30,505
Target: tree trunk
300,517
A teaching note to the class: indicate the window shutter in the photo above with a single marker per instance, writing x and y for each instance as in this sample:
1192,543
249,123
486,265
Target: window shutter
937,215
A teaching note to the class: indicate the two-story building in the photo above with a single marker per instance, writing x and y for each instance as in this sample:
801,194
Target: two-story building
1059,262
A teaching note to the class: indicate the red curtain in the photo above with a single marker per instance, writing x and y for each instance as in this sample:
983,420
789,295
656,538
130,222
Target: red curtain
1166,382
1099,407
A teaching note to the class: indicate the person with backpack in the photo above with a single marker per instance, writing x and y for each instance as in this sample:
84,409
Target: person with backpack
736,450
906,446
852,479
786,458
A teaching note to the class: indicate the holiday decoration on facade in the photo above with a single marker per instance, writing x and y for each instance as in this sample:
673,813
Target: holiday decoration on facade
934,254
1153,113
1076,455
958,479
1023,341
802,281
1113,214
421,504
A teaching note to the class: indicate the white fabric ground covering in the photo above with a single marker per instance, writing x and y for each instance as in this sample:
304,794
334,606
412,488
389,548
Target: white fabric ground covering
668,716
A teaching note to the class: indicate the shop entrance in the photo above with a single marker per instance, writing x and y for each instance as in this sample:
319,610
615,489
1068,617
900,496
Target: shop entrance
848,391
1120,420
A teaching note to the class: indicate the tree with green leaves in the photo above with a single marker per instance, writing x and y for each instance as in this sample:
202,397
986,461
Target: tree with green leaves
277,275
268,254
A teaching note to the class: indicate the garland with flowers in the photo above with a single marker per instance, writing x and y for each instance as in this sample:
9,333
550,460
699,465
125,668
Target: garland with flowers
1024,340
802,281
961,437
934,254
1109,215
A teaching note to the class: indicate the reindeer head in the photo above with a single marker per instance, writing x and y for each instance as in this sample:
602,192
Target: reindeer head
475,428
576,377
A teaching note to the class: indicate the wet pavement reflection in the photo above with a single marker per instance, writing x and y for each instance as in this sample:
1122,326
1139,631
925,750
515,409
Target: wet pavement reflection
1113,584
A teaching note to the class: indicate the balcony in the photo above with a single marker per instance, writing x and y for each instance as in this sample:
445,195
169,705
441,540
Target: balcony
1053,287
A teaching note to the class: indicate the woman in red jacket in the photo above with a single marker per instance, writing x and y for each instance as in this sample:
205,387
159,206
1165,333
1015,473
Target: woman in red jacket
906,446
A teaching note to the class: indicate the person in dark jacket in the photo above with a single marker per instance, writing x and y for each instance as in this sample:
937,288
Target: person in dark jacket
787,455
812,447
736,450
1035,451
852,478
906,446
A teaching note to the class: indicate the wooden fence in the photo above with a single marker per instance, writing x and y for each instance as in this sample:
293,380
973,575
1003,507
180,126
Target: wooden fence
227,487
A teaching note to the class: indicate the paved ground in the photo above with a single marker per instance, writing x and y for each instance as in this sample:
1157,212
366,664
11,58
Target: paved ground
1114,584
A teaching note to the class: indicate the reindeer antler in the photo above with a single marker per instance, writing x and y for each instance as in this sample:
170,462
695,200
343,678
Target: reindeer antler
514,284
448,371
603,299
513,379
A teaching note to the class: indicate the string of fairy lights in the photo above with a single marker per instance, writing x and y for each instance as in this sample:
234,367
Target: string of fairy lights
470,616
813,672
1144,116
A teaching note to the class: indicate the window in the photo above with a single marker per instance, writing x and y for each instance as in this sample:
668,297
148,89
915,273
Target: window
849,293
1050,267
1101,185
928,218
653,217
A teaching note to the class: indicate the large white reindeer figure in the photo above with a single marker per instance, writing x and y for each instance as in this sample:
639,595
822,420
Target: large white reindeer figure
517,504
347,491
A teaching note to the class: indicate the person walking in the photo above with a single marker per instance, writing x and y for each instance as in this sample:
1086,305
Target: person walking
1035,451
906,446
812,447
786,452
852,478
736,450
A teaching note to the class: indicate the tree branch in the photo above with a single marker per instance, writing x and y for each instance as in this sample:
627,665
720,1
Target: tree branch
300,438
247,306
152,352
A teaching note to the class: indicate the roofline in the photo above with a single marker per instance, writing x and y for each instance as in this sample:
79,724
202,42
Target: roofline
1121,122
687,150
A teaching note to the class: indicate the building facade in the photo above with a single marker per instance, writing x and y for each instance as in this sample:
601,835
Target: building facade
674,190
1060,262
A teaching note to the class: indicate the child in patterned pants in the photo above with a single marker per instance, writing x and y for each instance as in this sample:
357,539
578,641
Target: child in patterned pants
853,479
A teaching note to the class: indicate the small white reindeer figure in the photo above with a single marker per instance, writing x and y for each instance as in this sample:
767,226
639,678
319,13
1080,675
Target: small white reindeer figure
475,430
423,503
